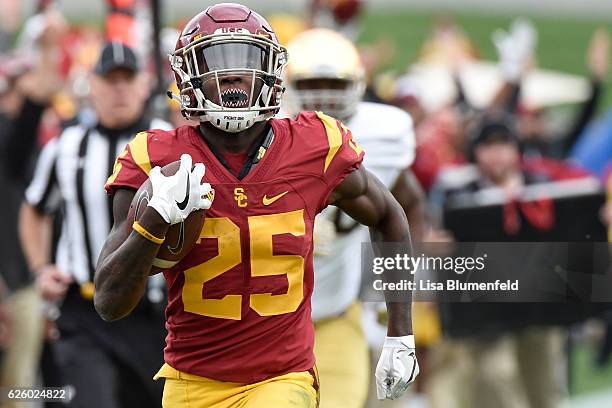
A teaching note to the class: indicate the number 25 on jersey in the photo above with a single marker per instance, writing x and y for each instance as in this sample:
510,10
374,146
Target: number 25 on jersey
262,228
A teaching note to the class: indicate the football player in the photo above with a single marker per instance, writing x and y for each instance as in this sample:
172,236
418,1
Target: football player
239,323
325,73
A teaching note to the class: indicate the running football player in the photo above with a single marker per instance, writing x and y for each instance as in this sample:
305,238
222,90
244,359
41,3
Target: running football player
238,317
325,74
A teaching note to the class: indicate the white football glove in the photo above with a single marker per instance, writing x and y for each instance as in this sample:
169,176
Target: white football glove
396,368
515,48
175,197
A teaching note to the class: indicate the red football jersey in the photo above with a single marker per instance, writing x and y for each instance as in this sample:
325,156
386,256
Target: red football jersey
239,302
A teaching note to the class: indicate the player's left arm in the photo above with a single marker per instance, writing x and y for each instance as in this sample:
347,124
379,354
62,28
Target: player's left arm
410,195
366,199
362,196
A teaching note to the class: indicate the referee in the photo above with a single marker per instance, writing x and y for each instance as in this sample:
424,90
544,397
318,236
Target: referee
110,365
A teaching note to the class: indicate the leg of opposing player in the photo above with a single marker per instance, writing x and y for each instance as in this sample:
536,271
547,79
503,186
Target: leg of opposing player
343,366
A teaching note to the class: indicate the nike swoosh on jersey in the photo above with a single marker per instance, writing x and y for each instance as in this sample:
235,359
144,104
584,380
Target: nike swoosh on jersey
268,201
183,204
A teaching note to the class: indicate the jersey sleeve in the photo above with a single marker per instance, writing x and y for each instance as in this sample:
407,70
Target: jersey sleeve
340,155
41,190
132,167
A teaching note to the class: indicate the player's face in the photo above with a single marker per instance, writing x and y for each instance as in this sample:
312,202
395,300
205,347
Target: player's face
232,90
322,84
497,159
118,97
227,73
324,103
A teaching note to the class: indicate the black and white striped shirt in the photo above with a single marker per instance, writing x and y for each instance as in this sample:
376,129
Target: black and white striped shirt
74,168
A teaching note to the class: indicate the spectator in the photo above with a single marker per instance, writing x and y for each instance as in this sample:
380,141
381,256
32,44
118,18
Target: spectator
27,89
340,15
511,367
447,43
536,138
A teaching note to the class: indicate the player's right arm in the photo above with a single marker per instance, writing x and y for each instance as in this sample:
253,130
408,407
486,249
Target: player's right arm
126,259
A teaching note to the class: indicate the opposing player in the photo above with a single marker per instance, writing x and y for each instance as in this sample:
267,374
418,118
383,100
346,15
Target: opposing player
325,73
238,316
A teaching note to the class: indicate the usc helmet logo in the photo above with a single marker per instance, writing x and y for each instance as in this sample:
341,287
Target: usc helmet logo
240,197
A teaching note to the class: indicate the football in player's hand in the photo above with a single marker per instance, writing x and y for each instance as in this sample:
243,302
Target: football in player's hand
180,238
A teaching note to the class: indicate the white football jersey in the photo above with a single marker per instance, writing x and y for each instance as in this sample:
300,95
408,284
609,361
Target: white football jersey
386,134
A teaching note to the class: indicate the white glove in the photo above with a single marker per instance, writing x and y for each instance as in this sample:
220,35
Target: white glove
176,196
396,368
515,48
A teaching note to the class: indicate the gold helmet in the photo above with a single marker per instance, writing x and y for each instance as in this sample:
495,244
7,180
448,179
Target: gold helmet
325,73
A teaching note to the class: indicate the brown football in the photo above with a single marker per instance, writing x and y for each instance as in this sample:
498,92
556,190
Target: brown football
181,237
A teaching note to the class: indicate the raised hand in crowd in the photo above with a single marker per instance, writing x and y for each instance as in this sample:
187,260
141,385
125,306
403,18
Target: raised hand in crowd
515,48
598,54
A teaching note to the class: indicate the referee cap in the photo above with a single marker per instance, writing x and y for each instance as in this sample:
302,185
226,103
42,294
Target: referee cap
116,55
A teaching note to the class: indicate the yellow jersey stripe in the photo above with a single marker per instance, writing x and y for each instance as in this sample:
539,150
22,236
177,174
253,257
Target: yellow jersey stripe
117,168
334,137
140,152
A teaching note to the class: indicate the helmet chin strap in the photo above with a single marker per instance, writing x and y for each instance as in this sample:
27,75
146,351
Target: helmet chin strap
229,121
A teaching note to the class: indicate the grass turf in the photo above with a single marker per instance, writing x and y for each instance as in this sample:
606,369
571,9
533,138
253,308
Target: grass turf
585,376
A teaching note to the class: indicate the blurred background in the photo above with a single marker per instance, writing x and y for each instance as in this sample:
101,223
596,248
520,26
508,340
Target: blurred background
544,64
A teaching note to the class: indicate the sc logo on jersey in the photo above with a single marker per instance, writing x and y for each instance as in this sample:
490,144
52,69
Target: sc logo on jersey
240,197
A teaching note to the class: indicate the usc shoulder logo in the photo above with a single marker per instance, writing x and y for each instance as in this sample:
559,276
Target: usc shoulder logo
240,197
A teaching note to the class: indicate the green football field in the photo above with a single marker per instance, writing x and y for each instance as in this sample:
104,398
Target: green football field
585,377
562,43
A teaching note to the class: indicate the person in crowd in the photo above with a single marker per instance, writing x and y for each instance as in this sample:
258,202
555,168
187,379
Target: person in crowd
515,367
537,137
339,15
27,87
447,43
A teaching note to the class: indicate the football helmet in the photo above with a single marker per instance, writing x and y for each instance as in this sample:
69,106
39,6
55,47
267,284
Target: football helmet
325,73
228,66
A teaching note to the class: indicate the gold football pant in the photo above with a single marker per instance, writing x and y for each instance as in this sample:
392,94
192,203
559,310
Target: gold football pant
183,390
22,356
343,360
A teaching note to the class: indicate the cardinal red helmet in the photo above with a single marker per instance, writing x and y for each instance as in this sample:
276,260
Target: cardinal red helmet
228,66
